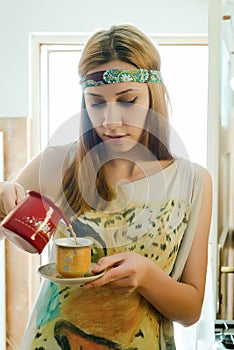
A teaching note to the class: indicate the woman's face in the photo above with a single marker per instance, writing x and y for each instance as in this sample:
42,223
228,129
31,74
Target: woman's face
118,111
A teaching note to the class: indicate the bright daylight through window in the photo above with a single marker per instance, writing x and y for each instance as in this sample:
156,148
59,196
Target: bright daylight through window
185,73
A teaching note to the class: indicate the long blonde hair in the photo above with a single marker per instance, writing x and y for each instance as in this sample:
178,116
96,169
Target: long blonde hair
126,43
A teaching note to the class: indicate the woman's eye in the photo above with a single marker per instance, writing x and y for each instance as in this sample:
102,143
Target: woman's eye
101,104
129,102
98,104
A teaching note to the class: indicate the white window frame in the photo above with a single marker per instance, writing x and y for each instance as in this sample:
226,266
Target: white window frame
39,39
36,41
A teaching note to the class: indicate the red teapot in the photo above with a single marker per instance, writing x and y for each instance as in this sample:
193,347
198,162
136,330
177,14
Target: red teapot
32,222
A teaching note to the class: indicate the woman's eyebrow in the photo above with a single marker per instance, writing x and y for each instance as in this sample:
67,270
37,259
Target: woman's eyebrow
124,91
117,94
93,94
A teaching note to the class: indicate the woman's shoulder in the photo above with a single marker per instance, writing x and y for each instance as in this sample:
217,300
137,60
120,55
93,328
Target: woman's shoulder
193,175
59,149
54,156
189,167
50,165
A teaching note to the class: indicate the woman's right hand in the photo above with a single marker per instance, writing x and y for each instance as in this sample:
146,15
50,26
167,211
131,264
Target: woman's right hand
11,193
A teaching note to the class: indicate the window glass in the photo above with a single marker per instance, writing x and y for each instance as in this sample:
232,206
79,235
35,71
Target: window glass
185,73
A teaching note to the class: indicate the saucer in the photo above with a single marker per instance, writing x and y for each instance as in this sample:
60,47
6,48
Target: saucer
49,272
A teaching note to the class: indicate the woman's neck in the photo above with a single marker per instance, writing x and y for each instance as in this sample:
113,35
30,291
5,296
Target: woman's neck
123,170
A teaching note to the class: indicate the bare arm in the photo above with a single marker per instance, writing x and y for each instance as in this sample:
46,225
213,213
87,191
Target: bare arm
179,301
182,301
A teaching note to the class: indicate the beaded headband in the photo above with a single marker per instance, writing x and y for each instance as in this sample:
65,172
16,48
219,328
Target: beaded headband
111,76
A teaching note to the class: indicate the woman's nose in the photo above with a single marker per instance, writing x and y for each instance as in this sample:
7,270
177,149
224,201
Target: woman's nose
112,116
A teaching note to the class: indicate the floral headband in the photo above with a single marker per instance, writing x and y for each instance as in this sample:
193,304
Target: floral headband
111,76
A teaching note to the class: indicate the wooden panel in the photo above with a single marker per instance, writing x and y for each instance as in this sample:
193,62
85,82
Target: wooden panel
15,157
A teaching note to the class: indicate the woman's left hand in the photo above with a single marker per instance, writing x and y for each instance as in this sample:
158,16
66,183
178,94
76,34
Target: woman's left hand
125,272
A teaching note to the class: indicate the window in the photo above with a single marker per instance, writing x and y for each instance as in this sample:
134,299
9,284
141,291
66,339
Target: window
57,95
60,91
185,73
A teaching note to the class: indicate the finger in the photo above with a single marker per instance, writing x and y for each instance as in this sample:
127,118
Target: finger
20,192
124,282
10,195
108,262
111,275
124,285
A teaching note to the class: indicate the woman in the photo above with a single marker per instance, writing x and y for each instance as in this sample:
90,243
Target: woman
147,211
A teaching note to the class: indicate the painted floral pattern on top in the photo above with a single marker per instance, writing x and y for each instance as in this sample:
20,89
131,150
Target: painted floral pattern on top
70,317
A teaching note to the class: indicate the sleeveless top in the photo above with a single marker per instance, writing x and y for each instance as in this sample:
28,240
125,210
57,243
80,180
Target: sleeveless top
158,221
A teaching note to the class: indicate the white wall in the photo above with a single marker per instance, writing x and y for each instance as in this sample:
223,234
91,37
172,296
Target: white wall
19,18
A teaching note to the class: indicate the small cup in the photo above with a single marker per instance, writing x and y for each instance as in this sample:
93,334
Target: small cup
71,259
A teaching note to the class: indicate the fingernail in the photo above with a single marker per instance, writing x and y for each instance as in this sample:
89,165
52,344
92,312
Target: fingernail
96,266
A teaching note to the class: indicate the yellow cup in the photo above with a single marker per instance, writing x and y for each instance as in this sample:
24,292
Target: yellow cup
72,260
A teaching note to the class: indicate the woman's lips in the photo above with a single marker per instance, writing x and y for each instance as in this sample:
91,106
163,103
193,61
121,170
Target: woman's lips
115,138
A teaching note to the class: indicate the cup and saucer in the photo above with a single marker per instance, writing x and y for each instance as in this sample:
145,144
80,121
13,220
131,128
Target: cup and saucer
49,272
72,262
32,223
